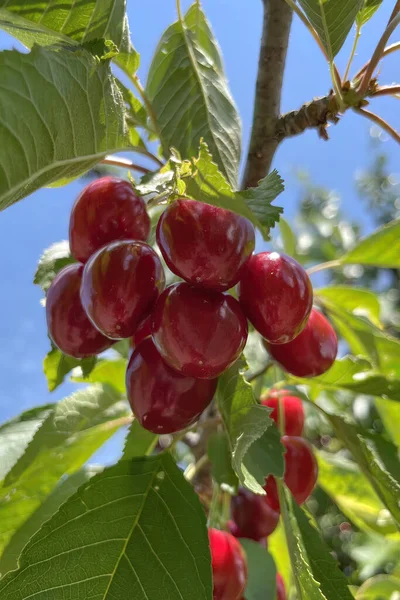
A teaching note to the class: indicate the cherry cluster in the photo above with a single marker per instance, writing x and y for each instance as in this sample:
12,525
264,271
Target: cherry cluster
188,334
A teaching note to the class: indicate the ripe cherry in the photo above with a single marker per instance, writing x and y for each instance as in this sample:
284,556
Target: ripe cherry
205,245
107,210
68,325
292,407
198,332
142,332
120,285
301,471
253,516
276,295
162,400
229,565
312,353
280,588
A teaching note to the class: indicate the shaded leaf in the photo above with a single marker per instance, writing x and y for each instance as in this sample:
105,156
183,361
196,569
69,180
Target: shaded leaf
109,372
367,11
152,542
138,442
390,414
261,577
277,546
254,439
57,365
259,200
190,96
332,20
219,453
40,144
380,249
288,236
53,259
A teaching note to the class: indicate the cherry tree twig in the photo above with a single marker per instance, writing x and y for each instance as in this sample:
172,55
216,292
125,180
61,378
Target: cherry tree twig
124,163
387,90
379,121
388,50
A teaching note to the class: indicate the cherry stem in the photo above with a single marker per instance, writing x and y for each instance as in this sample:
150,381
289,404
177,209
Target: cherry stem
124,163
331,264
379,121
388,50
212,520
377,55
353,52
193,469
387,90
395,11
260,372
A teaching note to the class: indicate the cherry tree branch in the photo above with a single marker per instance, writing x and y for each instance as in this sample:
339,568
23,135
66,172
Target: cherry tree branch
277,21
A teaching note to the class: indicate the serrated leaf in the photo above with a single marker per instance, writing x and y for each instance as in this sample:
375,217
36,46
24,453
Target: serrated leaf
332,20
16,434
380,249
325,570
138,442
209,185
41,143
190,96
67,487
367,11
219,453
385,485
254,439
261,572
53,259
108,372
73,430
381,587
357,301
152,542
57,365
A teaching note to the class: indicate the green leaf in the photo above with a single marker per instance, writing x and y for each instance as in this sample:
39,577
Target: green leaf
332,20
209,185
53,259
385,485
109,372
41,145
348,487
357,301
219,453
324,568
190,96
254,439
73,430
16,434
288,236
57,365
367,11
67,487
277,546
138,442
261,577
390,414
381,587
137,531
381,249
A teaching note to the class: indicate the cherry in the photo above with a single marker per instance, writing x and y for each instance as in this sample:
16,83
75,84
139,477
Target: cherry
229,565
301,471
198,332
254,517
204,244
68,325
292,407
280,588
120,285
276,295
142,332
312,353
162,400
107,210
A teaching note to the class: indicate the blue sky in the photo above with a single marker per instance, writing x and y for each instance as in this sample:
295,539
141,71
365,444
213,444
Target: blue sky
33,224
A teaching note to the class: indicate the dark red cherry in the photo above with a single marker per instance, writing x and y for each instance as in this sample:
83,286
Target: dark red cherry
272,496
120,285
253,516
276,295
68,325
205,245
162,400
312,353
107,210
229,565
292,407
198,332
280,588
142,332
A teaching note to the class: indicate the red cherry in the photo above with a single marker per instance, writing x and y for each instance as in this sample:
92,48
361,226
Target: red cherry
198,332
253,516
276,295
107,210
280,588
204,244
292,407
68,325
120,285
272,496
229,565
162,400
312,353
142,332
